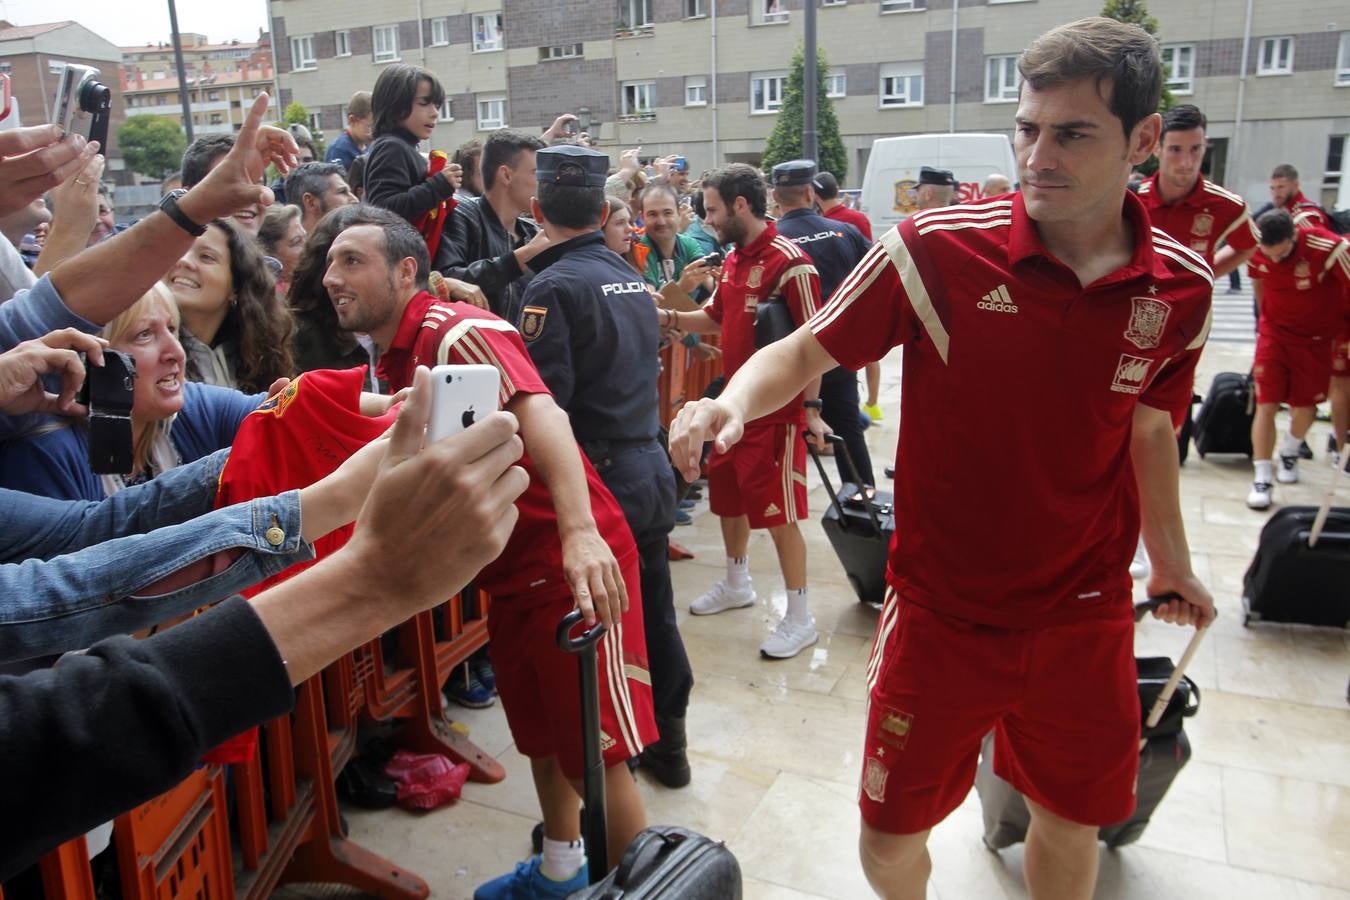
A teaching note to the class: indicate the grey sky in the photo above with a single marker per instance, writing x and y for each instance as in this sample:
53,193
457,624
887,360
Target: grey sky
129,22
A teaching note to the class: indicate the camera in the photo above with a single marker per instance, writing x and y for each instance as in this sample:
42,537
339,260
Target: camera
83,103
109,391
713,259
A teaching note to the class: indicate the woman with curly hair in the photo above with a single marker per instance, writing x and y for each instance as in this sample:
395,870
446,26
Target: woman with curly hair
235,331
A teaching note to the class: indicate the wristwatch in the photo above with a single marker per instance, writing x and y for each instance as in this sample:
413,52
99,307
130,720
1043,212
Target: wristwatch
169,206
814,404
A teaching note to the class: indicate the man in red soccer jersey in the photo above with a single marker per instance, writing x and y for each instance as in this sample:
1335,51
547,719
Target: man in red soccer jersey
571,543
1286,194
1302,276
761,483
1009,606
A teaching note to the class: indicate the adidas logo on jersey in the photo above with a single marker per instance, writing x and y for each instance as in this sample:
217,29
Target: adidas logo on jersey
998,300
772,510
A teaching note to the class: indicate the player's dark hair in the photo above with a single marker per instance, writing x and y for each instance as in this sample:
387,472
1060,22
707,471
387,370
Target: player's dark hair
740,180
396,91
503,148
311,178
1183,118
1100,49
826,185
1276,227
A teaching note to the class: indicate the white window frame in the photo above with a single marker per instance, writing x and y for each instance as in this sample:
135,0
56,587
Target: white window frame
562,51
316,123
1180,78
635,14
696,83
491,124
900,6
760,14
441,25
302,53
493,32
1270,47
996,73
1342,76
695,9
836,85
632,94
342,43
833,2
389,53
907,71
771,106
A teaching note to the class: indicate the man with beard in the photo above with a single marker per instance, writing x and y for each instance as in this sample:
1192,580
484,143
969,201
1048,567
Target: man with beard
316,188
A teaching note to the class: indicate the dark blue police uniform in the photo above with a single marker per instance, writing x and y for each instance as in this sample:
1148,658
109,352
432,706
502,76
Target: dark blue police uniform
590,326
836,248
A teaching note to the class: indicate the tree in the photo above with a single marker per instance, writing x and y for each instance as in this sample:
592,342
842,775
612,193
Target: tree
296,114
152,145
1135,12
785,141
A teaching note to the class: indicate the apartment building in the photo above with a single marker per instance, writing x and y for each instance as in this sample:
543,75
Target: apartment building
219,100
156,61
706,78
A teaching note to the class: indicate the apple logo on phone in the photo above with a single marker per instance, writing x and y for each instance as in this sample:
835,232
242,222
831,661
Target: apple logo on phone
467,419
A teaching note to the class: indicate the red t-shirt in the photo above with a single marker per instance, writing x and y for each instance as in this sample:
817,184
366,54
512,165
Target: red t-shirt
1015,499
843,214
768,266
1304,296
434,332
1306,213
1203,219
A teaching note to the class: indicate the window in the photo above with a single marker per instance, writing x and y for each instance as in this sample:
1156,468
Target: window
386,43
561,51
487,32
315,123
491,112
766,91
217,118
833,2
901,84
767,12
1343,61
448,110
302,53
1180,62
440,32
635,14
342,42
695,90
836,84
212,95
1335,161
900,5
1277,56
1001,79
639,99
694,9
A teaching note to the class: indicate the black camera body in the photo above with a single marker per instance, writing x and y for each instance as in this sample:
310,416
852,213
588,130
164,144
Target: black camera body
109,391
713,259
83,103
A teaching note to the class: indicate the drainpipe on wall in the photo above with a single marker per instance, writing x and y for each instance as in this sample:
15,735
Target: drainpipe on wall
712,84
421,38
951,97
276,72
1241,93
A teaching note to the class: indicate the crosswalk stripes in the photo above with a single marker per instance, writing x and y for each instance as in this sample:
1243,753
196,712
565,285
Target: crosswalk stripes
1233,320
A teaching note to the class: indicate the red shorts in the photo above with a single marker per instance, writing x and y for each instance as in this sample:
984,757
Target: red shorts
1340,357
1062,701
763,477
539,684
1293,372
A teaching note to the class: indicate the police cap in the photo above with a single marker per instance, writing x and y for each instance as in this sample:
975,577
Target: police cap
793,172
571,165
929,175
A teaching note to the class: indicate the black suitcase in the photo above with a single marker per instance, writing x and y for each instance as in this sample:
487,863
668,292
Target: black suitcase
1289,581
1224,423
859,530
1187,429
663,861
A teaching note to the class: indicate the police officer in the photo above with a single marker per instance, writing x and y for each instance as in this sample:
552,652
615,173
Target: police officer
590,326
836,248
937,188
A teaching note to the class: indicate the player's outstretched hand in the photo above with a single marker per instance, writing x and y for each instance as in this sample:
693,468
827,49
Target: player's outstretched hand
697,422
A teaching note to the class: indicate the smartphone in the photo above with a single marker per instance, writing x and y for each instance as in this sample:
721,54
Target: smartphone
680,164
712,260
460,396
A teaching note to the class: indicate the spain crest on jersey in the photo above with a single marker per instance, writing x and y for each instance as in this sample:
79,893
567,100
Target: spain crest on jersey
1148,315
906,196
1202,225
277,403
755,278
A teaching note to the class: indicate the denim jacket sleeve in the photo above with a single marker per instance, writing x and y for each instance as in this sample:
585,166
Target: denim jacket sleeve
71,601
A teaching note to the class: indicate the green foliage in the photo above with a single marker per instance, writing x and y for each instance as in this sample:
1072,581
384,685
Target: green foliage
152,145
785,141
1135,12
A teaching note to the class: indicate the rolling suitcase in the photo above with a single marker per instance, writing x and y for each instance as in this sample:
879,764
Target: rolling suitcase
1224,423
1164,750
859,528
663,861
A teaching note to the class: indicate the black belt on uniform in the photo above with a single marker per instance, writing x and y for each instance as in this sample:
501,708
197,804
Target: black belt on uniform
602,452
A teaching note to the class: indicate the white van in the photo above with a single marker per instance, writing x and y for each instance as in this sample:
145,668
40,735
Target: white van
890,185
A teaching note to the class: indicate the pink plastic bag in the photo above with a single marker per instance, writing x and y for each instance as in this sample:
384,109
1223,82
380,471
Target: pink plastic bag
426,780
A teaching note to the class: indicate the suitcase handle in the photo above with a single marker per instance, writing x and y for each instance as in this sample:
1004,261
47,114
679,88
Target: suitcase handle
588,639
839,446
593,777
649,846
1165,695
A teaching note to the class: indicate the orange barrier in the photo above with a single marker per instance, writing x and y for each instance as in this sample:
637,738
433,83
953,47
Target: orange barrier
177,845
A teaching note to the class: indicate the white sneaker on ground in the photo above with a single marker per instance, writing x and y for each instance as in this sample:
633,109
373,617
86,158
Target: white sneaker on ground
1259,498
1287,473
791,637
723,597
1139,567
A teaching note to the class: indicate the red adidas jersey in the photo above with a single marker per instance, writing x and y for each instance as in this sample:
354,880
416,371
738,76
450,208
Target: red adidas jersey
842,213
1304,296
1306,213
768,266
1015,499
434,332
1203,219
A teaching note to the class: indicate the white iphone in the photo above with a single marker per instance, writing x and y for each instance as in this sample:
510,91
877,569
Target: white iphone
460,396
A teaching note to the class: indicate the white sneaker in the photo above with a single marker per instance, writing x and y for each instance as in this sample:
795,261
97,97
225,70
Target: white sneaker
1287,473
1140,567
723,597
791,637
1259,498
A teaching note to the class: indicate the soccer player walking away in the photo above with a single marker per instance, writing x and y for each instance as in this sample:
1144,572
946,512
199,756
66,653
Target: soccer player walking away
1009,601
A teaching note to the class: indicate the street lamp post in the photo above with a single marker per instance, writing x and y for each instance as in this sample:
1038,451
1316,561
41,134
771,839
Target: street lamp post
182,75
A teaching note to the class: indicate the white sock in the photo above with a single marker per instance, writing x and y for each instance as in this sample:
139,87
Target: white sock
561,860
738,572
1264,471
796,608
1290,446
